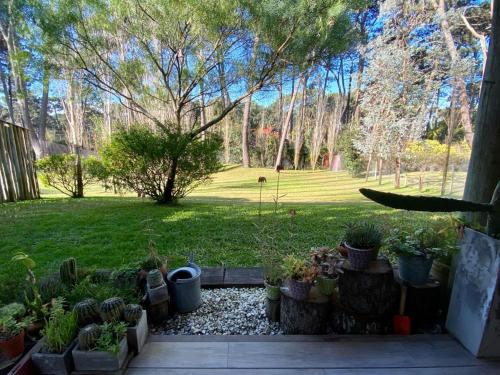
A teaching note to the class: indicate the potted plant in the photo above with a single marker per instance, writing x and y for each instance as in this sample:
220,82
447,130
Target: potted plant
272,282
59,335
12,333
300,276
416,249
330,266
137,326
362,240
101,348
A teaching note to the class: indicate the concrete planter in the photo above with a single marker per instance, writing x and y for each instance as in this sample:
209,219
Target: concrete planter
473,313
51,363
100,361
137,335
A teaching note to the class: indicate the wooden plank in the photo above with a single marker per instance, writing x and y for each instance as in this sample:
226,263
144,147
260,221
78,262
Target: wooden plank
212,277
182,355
244,276
226,371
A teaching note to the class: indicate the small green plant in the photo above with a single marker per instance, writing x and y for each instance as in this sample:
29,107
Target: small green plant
427,241
10,327
261,182
33,299
15,310
60,329
110,337
363,235
298,269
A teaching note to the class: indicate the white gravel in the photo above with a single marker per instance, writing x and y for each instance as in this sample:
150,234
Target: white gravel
231,311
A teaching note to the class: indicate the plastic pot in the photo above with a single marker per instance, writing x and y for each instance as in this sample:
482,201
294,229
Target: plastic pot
326,285
272,292
14,346
415,269
299,290
359,259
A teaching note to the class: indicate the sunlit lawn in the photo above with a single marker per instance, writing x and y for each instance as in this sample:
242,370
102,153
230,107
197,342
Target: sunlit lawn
218,222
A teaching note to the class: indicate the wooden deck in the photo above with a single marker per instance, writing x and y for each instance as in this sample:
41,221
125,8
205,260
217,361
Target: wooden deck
308,355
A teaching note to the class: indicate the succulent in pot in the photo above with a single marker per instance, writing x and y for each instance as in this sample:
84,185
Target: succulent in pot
300,276
417,248
362,240
12,333
330,265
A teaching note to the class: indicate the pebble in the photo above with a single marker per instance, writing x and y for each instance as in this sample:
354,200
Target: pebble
228,311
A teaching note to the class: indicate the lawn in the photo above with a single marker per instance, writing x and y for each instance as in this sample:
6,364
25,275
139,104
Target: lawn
218,222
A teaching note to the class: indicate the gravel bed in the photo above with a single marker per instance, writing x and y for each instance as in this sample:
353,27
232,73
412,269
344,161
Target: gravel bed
231,311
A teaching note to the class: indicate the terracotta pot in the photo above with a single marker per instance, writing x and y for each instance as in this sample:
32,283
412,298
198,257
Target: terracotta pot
14,346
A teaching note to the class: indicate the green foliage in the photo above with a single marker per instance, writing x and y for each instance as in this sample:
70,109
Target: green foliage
15,310
61,328
363,235
59,171
10,327
298,269
141,160
110,337
99,291
352,159
433,240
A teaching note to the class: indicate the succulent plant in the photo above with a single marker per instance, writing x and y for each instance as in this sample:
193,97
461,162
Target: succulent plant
88,336
155,278
68,272
112,309
132,313
87,312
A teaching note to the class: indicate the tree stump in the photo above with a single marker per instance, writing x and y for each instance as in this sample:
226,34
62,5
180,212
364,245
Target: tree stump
370,292
273,310
423,305
308,317
158,313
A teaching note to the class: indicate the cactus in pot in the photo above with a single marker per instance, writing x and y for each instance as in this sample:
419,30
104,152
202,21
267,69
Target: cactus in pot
155,278
87,312
68,272
88,336
112,309
132,313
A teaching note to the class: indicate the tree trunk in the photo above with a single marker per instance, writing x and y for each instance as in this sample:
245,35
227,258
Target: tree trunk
245,126
8,97
78,174
286,125
379,168
299,131
458,80
227,120
168,193
397,175
42,117
484,165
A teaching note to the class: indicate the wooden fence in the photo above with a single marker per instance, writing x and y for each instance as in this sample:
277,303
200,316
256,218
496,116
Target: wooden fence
18,179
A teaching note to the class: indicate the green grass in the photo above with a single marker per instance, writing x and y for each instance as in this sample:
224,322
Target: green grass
218,222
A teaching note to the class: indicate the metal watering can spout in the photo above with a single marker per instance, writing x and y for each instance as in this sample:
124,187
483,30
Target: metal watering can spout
191,259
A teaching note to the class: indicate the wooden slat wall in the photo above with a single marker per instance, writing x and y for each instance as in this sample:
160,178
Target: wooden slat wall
17,174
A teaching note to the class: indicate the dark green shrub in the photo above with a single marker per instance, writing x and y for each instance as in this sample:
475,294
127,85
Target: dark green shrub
142,160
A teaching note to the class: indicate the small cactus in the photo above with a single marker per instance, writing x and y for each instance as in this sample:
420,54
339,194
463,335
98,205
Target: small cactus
88,336
87,312
112,309
67,272
155,278
132,313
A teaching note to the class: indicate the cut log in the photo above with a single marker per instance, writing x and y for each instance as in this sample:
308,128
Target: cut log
371,292
273,310
158,313
344,322
308,317
423,305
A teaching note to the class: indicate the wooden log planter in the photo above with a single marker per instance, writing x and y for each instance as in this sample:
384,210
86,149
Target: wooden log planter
138,334
367,299
305,317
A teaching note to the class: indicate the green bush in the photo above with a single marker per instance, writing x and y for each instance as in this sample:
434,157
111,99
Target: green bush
141,160
60,172
352,159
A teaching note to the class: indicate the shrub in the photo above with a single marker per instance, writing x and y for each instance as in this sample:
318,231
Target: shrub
61,172
142,160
